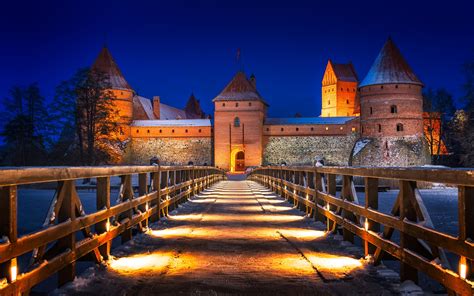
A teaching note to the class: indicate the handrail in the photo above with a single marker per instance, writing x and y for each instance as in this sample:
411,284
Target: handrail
159,188
421,247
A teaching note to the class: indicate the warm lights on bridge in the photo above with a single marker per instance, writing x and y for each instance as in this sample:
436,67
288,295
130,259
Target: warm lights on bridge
463,268
139,263
13,270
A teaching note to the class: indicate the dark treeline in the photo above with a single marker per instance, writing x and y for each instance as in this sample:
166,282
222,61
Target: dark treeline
80,126
77,127
456,127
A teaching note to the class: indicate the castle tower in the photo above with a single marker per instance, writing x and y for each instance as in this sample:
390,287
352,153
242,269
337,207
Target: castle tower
123,93
390,97
238,124
339,90
193,108
392,112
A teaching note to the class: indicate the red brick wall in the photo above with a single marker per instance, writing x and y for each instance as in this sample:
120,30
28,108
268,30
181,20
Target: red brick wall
409,104
251,115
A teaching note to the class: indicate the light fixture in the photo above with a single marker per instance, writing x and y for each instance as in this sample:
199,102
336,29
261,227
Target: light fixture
146,206
366,224
13,270
462,268
107,225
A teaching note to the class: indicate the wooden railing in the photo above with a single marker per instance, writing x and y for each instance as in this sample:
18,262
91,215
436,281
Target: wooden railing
420,247
56,247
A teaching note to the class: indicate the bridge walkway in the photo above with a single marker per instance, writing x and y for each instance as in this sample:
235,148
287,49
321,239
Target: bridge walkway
237,237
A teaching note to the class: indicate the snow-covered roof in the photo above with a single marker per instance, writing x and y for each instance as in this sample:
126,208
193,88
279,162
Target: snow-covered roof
390,67
307,120
169,112
147,107
239,89
105,63
345,72
177,122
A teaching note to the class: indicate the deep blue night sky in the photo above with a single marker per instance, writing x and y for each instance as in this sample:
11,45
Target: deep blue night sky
171,48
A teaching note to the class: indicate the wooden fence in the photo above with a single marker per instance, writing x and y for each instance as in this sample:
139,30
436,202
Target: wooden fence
420,248
56,247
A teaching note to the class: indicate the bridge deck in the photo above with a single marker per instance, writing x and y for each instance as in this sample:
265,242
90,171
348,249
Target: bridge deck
236,238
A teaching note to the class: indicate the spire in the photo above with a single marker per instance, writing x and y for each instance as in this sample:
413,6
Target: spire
193,107
105,63
240,88
390,67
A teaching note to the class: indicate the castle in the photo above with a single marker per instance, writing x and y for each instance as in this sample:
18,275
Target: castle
378,121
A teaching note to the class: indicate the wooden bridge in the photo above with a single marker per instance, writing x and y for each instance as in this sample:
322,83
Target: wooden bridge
277,232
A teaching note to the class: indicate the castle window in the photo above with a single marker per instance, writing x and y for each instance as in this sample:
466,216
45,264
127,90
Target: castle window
396,86
342,89
236,122
268,129
393,109
297,129
347,101
161,131
312,129
371,111
138,131
379,127
223,104
199,130
381,87
121,93
347,89
148,131
172,131
282,129
250,104
399,127
236,104
329,102
353,129
186,131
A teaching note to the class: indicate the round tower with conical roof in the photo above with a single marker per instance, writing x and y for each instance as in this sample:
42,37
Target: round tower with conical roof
390,97
391,113
119,87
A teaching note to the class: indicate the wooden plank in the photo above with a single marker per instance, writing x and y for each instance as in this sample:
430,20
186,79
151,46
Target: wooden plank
372,202
67,212
466,224
103,203
407,211
8,228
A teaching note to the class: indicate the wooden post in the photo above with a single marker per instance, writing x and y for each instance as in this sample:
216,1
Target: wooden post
466,225
8,228
127,195
142,190
372,202
407,192
66,212
103,201
346,195
331,189
157,181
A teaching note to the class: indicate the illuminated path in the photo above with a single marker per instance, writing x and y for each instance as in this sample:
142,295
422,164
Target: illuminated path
236,238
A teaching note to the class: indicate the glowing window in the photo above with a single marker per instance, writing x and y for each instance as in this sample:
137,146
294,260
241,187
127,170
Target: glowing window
353,129
236,122
327,128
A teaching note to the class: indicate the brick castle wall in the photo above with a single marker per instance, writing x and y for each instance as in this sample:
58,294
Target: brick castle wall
171,151
302,150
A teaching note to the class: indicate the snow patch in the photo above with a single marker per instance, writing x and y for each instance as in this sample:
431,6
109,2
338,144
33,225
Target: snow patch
359,146
410,288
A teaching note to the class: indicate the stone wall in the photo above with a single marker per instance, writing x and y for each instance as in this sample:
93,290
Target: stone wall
171,151
394,152
302,150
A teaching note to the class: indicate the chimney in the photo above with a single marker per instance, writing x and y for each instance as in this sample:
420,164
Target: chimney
253,81
156,106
